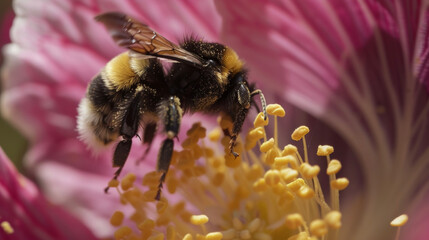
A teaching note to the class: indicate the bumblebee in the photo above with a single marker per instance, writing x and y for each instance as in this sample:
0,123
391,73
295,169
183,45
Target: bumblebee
134,90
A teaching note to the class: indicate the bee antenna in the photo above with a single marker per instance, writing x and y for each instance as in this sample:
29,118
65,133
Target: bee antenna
263,102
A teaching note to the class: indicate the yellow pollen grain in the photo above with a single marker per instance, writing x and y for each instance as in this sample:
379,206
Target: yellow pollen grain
300,132
270,156
171,185
245,234
279,189
161,206
260,185
254,225
113,183
237,224
288,175
333,219
225,122
159,236
214,236
259,121
151,179
231,161
281,162
122,232
305,192
254,172
188,236
229,234
294,221
318,228
267,145
215,135
171,233
334,167
324,150
296,184
117,218
7,228
309,171
289,150
199,219
340,183
128,181
275,110
146,226
218,179
272,177
399,221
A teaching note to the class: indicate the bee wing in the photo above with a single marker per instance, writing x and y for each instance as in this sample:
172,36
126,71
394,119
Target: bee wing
138,37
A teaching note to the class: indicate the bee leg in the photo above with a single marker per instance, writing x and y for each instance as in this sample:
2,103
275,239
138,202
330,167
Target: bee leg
128,131
149,135
263,102
171,114
119,157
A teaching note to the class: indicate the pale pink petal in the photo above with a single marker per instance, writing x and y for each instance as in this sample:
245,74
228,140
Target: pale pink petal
361,67
30,215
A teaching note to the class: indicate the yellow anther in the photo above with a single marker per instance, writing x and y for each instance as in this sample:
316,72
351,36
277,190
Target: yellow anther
151,179
128,181
318,228
296,184
259,121
113,183
292,160
333,219
288,175
254,172
305,192
300,236
271,155
309,171
122,232
238,225
281,162
218,179
171,233
279,189
171,184
257,133
245,234
188,236
146,226
294,221
229,234
300,132
199,219
215,135
333,167
340,183
267,145
225,122
161,206
286,198
272,177
196,131
324,150
190,142
254,225
399,221
231,161
159,236
7,228
289,150
260,185
117,218
214,236
275,110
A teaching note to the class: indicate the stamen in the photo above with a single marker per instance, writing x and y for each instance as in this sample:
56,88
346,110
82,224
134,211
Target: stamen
7,228
300,132
340,183
318,228
333,219
214,236
128,181
294,221
267,145
259,121
334,167
399,221
324,150
117,218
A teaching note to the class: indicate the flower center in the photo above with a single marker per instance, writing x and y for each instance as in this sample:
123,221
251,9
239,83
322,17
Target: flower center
267,192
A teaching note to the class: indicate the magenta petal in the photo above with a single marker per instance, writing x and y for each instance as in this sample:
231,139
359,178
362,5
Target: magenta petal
28,212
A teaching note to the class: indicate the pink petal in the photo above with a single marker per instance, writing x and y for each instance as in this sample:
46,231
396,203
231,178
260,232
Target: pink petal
28,212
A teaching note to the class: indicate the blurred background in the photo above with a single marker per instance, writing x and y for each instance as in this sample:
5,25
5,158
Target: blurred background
11,141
